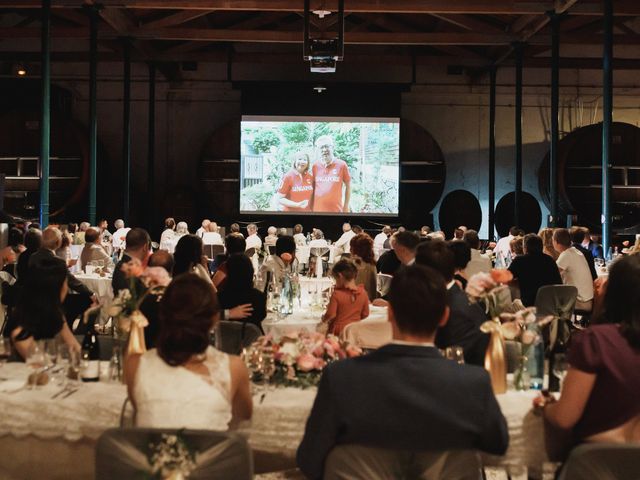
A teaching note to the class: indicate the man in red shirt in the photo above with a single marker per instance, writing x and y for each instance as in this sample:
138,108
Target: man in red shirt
296,188
329,174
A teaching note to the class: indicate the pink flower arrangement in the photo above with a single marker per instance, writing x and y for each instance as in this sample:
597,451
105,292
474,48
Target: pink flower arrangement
300,357
491,289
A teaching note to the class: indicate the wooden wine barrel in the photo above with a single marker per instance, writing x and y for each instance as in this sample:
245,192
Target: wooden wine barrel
580,176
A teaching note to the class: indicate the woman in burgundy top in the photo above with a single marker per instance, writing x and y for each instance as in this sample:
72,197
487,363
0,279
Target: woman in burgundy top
600,398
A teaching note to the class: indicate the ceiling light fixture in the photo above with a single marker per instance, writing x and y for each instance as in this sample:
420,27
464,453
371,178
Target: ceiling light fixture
322,11
319,89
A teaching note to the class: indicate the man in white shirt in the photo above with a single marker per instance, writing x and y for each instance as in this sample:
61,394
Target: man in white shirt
253,240
318,240
204,228
212,236
272,237
298,236
343,244
479,262
119,236
378,242
503,247
574,269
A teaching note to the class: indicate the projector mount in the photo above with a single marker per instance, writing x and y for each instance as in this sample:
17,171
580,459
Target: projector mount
323,52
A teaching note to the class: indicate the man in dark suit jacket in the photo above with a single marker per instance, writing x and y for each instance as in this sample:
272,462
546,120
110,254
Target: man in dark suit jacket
577,237
74,305
405,395
138,244
463,327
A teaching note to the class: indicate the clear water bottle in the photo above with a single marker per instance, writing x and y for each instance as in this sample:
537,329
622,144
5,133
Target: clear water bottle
115,365
535,358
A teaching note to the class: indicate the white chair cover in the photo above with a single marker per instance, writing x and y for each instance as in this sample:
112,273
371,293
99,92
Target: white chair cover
365,334
383,283
318,252
602,461
123,454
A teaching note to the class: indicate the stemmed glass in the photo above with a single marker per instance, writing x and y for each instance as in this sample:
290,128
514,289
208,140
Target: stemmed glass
64,361
455,353
560,367
36,360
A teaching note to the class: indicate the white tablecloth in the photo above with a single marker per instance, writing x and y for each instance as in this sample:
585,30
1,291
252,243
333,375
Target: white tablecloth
302,254
101,286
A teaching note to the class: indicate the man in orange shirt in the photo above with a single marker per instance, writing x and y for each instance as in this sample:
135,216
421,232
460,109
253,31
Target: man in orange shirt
329,174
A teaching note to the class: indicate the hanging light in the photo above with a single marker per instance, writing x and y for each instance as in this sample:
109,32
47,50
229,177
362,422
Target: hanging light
21,70
322,11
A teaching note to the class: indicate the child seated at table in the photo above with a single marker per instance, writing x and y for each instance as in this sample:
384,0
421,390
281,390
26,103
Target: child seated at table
349,302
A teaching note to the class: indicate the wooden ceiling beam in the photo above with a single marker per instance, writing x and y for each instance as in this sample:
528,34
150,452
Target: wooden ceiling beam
177,18
469,23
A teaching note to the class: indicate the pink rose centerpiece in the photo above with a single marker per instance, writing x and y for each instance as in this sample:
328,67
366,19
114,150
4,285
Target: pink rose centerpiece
300,358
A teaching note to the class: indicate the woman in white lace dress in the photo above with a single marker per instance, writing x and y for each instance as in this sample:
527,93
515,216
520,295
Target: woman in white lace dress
185,382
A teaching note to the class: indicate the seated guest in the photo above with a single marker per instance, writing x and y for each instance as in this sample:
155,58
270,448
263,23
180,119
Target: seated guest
238,290
32,242
516,246
362,251
253,240
404,245
280,263
168,234
342,244
378,241
118,239
149,308
424,231
64,251
234,243
461,257
38,312
503,247
93,250
211,236
272,237
547,241
533,270
600,400
574,269
318,240
298,236
182,229
388,263
138,244
349,302
405,395
235,228
590,243
204,227
209,389
189,258
463,327
78,238
479,262
578,235
9,254
458,233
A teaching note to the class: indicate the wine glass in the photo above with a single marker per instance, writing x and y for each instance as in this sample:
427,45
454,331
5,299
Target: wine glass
455,353
63,360
36,361
560,367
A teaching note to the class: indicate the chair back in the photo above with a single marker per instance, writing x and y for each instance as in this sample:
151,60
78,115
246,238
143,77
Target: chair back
320,252
232,336
212,251
559,301
357,462
124,453
368,334
271,249
250,252
604,461
383,283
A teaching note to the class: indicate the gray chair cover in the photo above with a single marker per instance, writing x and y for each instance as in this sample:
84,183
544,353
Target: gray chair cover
357,462
602,461
560,301
383,283
123,454
212,251
232,336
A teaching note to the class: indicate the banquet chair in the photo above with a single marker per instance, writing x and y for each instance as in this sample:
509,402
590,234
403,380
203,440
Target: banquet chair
383,282
212,251
271,249
123,454
321,260
602,461
232,336
250,252
357,462
367,335
559,301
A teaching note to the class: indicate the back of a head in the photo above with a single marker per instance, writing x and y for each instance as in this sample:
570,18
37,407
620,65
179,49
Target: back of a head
424,230
235,243
16,237
163,259
51,238
514,231
346,268
408,240
362,246
317,234
234,228
252,228
272,230
516,245
84,226
437,255
461,253
577,234
458,233
239,274
118,224
212,227
182,228
33,239
562,237
137,238
357,229
188,252
532,244
346,227
205,223
622,298
297,229
386,230
187,312
91,235
472,239
170,223
285,244
418,299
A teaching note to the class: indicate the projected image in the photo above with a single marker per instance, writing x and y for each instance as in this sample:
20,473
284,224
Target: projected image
319,166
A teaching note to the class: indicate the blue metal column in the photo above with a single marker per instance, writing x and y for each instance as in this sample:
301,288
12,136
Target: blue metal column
492,152
607,114
93,120
45,122
126,132
518,131
555,108
151,147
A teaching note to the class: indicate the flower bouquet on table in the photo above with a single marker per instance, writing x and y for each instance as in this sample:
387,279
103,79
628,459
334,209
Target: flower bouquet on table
295,360
171,458
128,320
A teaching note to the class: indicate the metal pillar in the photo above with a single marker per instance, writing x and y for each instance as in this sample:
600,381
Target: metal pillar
492,152
126,132
45,122
607,114
518,131
555,107
93,120
151,148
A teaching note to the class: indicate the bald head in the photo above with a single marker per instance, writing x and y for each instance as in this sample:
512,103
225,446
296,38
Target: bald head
163,259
